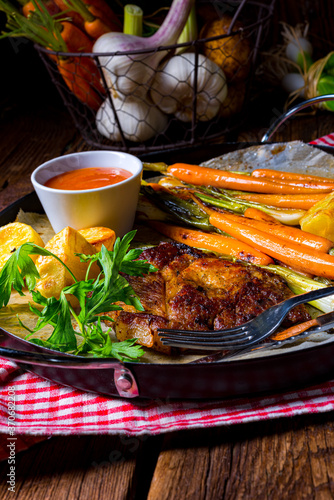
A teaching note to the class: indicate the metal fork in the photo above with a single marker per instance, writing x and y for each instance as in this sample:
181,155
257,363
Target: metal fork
245,335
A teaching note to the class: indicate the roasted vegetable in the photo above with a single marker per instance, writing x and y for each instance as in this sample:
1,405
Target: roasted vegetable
53,276
14,235
319,219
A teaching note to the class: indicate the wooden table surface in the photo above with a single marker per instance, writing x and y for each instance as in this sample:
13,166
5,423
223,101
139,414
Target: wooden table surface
289,458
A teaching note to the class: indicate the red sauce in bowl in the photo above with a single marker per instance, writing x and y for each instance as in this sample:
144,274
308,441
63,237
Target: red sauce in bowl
88,178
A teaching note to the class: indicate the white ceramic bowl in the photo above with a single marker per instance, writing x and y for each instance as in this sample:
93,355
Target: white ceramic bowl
111,206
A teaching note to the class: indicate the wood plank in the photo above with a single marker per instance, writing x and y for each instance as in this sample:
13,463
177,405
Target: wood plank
288,458
83,467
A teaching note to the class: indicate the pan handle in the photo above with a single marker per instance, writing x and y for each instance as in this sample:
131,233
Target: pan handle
281,119
124,379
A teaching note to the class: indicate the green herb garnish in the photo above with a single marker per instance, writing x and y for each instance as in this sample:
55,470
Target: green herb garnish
95,297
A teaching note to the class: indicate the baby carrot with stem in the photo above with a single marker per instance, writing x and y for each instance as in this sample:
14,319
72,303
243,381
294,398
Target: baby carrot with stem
213,242
293,254
205,176
289,233
280,175
302,201
256,214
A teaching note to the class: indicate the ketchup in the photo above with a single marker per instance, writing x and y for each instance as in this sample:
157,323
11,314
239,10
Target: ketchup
88,178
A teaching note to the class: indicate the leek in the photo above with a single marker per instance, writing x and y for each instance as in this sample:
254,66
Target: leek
179,210
133,20
189,33
300,284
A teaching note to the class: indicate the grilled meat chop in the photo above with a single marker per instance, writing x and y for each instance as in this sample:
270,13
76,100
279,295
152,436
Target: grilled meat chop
194,291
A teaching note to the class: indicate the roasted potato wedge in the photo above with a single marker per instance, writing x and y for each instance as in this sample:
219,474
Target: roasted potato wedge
14,235
319,219
98,236
53,276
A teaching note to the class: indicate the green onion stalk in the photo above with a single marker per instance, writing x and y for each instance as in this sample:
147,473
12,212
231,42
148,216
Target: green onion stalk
302,284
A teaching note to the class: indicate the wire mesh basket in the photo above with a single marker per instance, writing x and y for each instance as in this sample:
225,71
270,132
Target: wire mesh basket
198,93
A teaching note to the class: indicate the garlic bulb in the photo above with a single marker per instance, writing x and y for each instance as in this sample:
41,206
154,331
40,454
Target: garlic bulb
172,90
139,119
129,62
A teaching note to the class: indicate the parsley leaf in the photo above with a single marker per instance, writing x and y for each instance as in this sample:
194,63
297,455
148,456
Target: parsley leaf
95,297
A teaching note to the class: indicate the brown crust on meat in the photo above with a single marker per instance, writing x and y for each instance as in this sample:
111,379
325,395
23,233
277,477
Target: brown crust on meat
192,290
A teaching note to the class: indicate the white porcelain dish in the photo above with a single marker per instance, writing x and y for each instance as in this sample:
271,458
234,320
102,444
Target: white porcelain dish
111,206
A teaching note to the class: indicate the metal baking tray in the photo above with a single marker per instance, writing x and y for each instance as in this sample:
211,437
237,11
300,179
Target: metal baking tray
206,380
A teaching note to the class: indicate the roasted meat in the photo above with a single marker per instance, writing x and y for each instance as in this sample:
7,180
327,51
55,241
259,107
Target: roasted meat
192,290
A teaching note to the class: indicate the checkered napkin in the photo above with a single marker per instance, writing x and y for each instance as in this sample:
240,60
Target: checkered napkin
42,408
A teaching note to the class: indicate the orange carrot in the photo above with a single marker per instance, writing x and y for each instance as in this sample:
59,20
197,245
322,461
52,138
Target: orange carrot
101,9
74,16
255,213
80,73
294,330
78,78
302,201
76,40
289,233
293,254
212,242
96,23
288,176
29,7
205,176
96,28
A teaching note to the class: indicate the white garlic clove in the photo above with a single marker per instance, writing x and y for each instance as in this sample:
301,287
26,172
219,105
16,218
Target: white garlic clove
173,87
139,119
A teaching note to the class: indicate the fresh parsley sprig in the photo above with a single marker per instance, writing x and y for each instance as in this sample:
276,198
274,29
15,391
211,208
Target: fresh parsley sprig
95,297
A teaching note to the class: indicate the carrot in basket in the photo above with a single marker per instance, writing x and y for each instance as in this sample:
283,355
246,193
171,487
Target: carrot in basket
96,23
76,40
302,201
213,242
73,15
288,176
29,7
205,176
293,254
78,78
101,9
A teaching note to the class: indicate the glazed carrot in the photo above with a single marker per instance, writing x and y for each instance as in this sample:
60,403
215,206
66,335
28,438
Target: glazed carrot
293,254
213,242
288,176
256,214
301,201
289,233
294,330
205,176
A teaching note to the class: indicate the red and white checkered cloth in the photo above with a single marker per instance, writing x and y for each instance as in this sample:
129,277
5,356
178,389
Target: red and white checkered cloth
326,140
43,408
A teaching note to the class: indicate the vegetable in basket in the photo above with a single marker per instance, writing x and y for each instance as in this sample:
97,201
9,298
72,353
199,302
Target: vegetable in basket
138,118
172,89
131,74
95,22
59,35
230,51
